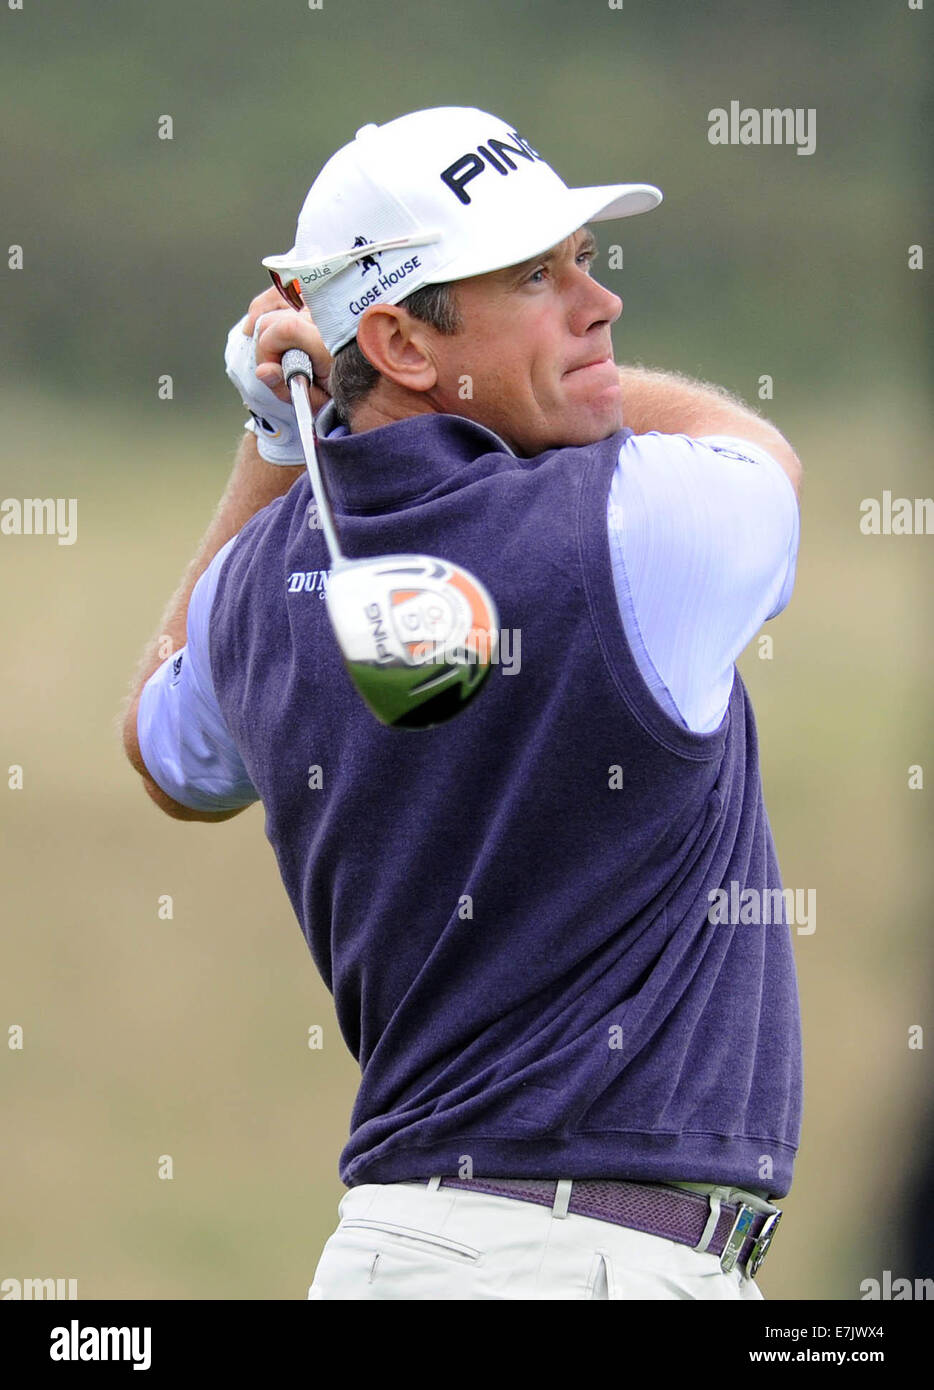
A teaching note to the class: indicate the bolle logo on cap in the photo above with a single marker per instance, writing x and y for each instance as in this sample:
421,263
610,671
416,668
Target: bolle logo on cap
316,273
495,154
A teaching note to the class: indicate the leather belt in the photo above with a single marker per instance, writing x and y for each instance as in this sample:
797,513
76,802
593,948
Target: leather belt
736,1231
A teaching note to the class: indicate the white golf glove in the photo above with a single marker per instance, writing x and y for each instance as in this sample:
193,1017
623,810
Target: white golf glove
271,420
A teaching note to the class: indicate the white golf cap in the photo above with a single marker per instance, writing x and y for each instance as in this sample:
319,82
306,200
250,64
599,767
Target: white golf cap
460,192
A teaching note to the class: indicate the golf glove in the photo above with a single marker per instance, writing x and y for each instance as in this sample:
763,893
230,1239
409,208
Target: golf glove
271,420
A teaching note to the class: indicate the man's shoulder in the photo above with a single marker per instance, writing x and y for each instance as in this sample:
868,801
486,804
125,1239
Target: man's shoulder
280,512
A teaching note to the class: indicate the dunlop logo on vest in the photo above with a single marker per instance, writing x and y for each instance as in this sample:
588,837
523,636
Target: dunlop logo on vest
308,582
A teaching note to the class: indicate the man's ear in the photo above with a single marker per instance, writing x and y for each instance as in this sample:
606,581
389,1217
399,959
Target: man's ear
398,345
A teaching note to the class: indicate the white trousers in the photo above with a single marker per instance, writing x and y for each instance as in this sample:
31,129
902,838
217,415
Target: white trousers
423,1241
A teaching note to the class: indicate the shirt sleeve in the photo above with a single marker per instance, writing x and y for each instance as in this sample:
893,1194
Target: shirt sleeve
703,541
183,740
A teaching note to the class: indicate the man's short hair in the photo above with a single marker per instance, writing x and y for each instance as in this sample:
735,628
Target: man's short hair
353,376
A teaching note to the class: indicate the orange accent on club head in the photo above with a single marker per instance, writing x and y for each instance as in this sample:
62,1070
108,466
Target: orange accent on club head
480,635
420,649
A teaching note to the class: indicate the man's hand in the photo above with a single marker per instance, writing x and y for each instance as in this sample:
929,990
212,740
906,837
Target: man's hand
283,328
254,352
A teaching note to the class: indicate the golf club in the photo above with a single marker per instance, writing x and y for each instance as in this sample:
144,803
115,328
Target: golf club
418,635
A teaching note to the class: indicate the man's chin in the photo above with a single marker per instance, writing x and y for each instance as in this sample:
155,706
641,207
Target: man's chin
591,424
572,428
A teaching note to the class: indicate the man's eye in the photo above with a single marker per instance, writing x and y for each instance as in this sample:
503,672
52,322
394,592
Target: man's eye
542,270
587,256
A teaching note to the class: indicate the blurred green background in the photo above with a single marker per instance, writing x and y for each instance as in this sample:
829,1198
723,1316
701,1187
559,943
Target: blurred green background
187,1037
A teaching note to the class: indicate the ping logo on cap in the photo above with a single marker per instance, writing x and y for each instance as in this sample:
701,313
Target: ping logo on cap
495,154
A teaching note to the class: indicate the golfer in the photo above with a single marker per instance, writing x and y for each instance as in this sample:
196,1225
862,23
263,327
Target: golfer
578,1079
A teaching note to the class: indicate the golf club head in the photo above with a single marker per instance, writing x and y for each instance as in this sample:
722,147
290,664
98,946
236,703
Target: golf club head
418,635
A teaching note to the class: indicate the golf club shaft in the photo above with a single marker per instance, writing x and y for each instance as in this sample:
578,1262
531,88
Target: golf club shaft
297,370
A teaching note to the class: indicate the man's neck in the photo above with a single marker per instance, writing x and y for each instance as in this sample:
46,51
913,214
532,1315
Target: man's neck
385,407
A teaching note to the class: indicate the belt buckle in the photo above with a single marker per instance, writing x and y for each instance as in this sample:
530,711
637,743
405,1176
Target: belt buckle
737,1237
760,1249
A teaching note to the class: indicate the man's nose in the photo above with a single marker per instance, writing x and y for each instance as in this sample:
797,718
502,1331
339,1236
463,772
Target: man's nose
599,305
613,302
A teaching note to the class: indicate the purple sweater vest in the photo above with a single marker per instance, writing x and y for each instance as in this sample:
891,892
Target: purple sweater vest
511,910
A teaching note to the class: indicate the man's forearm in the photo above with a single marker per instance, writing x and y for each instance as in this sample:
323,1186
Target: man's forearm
674,404
253,484
669,402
